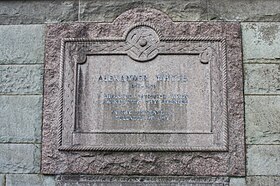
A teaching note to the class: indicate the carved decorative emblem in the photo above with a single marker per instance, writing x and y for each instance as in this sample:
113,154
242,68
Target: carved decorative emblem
142,43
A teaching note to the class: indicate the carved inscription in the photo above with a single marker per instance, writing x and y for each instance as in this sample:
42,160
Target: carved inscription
158,96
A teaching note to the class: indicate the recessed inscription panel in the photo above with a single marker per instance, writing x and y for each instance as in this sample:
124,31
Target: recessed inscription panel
123,102
165,95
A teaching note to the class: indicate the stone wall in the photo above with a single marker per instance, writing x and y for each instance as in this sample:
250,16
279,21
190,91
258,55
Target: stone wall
22,27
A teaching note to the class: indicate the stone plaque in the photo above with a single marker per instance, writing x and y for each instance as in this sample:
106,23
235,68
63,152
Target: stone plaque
140,85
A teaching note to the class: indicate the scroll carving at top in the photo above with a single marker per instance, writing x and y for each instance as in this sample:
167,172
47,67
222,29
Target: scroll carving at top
142,43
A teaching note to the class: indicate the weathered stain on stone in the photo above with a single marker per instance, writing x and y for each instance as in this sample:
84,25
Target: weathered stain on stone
256,10
263,180
32,12
268,33
180,10
261,40
268,17
262,78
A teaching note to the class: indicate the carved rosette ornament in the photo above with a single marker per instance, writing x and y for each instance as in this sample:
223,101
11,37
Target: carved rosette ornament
143,43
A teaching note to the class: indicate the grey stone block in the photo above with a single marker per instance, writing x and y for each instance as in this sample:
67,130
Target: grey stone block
262,116
32,12
262,78
29,180
21,79
179,10
244,10
237,182
94,180
19,158
21,44
261,40
2,180
263,180
263,160
20,118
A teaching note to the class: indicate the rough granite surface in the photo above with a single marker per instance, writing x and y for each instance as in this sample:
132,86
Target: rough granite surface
243,10
237,182
262,119
260,41
21,119
107,11
263,160
19,158
229,163
263,180
21,44
262,78
2,180
29,180
34,12
21,79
